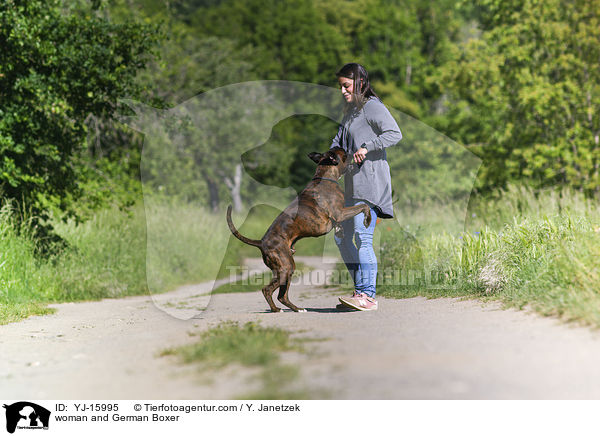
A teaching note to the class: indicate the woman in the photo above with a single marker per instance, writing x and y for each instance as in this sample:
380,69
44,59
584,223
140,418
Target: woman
367,129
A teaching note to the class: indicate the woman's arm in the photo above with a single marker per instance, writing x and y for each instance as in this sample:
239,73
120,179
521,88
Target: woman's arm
338,138
379,117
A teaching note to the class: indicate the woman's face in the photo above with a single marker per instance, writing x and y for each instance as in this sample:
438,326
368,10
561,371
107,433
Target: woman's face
347,86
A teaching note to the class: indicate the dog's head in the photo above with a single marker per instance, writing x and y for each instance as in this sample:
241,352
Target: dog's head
334,157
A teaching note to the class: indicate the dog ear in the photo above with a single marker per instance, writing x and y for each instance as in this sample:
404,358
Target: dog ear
315,157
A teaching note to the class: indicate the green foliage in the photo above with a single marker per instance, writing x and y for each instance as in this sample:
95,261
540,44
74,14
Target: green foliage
190,65
283,160
19,277
112,177
427,166
526,93
291,39
55,70
401,43
108,256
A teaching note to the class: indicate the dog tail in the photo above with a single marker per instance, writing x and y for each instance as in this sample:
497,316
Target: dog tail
237,234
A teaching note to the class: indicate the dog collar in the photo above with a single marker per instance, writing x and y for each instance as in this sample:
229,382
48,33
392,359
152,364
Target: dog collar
325,178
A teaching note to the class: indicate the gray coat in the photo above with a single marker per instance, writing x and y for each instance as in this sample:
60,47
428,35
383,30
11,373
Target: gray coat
374,126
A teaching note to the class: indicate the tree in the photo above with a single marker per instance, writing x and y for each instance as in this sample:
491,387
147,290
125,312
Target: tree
401,43
191,65
56,68
526,92
291,39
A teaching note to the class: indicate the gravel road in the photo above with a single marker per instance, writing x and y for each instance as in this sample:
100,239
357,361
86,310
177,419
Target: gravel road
408,349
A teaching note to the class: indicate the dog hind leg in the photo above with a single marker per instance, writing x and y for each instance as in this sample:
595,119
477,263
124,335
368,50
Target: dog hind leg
268,292
284,286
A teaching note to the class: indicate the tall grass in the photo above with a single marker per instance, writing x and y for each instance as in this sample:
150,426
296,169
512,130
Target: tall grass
23,284
103,257
153,247
106,256
185,243
525,248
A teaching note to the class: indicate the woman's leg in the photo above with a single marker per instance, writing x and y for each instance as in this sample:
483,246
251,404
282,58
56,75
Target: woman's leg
366,273
347,248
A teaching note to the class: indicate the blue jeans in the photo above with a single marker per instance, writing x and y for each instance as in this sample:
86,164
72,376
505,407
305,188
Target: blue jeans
356,248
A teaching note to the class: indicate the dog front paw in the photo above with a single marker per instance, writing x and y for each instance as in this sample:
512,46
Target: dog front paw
367,221
339,231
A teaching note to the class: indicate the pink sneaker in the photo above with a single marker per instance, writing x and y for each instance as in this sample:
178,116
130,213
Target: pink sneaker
359,301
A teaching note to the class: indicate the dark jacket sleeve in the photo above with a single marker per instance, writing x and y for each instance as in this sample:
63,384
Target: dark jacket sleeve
379,117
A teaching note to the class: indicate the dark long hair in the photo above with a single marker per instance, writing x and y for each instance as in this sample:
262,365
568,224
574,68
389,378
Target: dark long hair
361,88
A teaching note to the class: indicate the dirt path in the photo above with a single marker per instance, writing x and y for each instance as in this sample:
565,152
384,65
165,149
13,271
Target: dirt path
409,349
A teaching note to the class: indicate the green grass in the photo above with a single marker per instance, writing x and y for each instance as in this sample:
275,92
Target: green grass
105,256
252,346
185,243
153,247
24,283
13,312
523,248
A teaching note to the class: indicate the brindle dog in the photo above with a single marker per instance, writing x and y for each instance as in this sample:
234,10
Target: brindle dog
316,210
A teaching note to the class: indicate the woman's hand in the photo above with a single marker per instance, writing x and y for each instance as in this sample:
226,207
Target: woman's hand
360,155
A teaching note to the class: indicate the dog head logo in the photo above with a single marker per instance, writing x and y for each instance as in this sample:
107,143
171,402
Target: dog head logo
26,415
195,151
